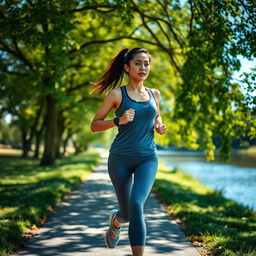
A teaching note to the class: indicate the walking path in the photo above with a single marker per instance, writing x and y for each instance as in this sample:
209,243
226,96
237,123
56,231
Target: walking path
79,225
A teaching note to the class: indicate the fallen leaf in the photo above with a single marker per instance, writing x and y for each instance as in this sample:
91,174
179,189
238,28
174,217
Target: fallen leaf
197,244
43,220
193,239
34,227
28,235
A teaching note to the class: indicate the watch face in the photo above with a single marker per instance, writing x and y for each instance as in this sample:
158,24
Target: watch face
116,121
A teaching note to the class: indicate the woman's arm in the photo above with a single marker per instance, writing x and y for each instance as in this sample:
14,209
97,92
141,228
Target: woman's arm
98,123
159,127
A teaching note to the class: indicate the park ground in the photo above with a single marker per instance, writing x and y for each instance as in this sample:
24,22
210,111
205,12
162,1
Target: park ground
29,192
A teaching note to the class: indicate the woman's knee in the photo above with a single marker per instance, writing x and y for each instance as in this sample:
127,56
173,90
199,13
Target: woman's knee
123,218
136,207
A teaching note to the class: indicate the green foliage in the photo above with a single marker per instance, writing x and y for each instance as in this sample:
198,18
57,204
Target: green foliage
57,48
223,226
208,103
27,192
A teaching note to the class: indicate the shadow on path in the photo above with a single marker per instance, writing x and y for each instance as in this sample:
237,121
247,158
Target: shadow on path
79,225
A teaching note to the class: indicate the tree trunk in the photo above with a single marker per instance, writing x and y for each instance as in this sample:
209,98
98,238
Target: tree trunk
65,142
26,144
50,132
38,136
77,148
37,142
60,130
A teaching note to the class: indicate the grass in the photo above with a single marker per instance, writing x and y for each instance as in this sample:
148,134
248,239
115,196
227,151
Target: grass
222,226
28,192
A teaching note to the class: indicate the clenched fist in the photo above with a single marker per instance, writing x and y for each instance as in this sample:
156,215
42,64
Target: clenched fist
127,116
160,128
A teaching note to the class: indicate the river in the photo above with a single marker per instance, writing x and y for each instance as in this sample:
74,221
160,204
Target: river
236,179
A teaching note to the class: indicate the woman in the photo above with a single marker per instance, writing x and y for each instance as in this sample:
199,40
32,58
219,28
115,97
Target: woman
133,151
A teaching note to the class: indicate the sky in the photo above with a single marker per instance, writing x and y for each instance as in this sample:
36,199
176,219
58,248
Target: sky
246,66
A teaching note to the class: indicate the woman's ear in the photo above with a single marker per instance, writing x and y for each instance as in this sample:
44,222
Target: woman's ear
126,68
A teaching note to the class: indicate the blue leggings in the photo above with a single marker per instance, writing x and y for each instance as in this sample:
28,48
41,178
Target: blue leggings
132,178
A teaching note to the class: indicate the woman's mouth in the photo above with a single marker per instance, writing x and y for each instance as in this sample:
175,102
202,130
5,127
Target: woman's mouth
142,74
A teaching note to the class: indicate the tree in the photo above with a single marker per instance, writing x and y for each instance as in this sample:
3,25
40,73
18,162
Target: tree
203,40
55,48
36,40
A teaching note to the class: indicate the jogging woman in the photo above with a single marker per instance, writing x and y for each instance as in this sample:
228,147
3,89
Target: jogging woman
132,162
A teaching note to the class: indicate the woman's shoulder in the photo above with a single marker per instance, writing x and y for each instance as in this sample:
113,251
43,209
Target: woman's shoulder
115,94
115,91
156,93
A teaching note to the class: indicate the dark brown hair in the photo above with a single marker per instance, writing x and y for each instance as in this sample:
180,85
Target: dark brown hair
114,73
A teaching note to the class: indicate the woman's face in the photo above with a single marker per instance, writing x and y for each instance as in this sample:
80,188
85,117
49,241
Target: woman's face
139,66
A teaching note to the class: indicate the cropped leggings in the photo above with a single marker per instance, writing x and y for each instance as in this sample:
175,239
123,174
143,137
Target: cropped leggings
132,178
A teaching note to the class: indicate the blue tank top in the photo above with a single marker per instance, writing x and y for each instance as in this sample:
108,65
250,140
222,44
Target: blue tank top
136,137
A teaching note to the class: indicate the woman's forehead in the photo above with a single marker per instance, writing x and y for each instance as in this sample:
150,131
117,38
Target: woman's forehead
141,56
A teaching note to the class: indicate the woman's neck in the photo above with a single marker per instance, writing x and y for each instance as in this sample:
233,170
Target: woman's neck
135,86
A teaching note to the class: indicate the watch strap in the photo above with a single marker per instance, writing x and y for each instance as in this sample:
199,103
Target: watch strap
116,121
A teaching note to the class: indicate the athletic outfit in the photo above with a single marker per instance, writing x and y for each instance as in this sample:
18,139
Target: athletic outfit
132,163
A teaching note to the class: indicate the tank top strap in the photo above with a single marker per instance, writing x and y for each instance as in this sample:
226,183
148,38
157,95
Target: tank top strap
151,93
124,92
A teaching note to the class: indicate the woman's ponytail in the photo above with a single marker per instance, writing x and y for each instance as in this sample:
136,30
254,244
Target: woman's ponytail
113,75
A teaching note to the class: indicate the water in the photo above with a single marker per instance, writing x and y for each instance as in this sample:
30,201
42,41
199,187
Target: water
236,180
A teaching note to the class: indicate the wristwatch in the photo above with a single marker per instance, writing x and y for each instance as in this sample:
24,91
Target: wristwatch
116,121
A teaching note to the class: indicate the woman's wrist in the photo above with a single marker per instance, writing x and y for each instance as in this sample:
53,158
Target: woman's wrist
116,121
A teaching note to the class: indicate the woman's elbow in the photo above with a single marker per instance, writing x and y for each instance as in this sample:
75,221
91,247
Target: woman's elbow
92,127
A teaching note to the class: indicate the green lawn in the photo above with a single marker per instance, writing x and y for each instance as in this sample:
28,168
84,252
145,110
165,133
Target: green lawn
28,191
222,226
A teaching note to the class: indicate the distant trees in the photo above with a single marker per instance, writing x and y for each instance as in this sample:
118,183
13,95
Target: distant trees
50,50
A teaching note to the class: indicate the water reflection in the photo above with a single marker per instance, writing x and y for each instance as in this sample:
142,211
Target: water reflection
236,179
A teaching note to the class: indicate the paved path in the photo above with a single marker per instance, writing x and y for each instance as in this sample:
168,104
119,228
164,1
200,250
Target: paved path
78,227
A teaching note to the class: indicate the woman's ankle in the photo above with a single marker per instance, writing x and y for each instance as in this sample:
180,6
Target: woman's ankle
116,223
138,250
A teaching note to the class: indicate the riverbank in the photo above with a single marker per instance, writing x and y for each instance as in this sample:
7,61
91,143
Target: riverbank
28,192
235,179
222,226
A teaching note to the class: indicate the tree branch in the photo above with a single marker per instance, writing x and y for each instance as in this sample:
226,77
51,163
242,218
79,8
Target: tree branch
22,56
248,13
110,40
159,44
30,3
191,18
18,54
15,73
8,49
146,26
136,29
166,35
71,89
168,23
95,7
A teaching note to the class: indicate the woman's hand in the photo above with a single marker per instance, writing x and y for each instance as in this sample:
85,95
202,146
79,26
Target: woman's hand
160,128
127,116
